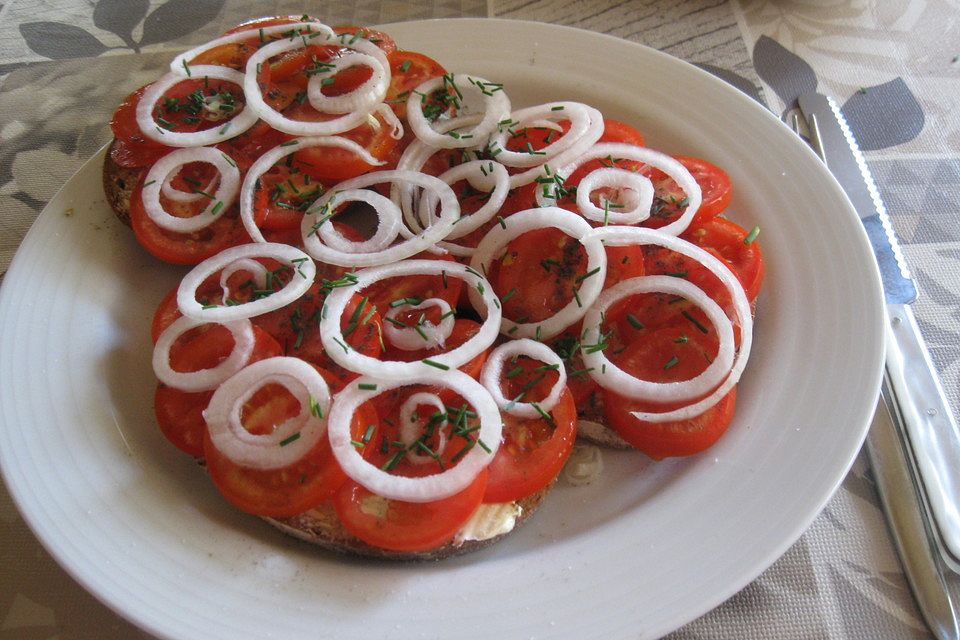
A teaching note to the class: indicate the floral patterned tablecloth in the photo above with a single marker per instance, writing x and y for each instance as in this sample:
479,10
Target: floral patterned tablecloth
893,64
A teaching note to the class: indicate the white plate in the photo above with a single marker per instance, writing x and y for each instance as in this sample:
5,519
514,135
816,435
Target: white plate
649,548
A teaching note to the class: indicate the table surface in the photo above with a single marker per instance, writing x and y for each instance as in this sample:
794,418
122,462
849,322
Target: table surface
893,64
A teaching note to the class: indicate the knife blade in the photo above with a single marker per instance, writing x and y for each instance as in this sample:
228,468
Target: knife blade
911,381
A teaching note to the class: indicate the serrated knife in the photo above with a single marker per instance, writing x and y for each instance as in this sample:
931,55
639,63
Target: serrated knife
919,415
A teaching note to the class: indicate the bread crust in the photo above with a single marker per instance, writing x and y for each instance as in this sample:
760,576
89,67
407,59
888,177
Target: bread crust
118,185
322,527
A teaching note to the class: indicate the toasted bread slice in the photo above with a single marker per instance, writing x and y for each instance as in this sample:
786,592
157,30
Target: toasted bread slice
118,185
322,527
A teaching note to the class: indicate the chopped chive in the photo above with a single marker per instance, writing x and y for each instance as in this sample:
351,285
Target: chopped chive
393,461
752,235
367,386
672,362
292,438
216,208
686,314
289,143
405,66
632,319
436,365
513,373
681,339
186,68
508,294
588,274
368,434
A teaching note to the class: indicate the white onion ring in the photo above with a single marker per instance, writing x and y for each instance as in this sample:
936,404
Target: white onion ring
414,157
179,63
426,488
265,162
362,98
582,120
623,236
449,214
167,166
171,193
388,221
278,121
204,379
493,371
257,270
529,220
336,302
578,145
485,175
239,123
408,339
303,267
496,108
289,441
639,186
409,433
610,376
654,158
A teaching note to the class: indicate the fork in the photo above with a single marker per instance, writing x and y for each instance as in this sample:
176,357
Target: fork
918,543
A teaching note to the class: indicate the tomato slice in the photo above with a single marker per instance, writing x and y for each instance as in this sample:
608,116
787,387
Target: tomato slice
669,354
297,328
735,247
408,70
406,526
532,451
670,200
291,490
180,413
185,248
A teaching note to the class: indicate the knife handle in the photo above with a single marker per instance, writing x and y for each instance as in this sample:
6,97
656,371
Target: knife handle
929,423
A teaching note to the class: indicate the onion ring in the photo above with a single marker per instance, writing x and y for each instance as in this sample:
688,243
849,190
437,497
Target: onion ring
432,336
316,216
271,157
241,121
304,270
493,370
336,347
409,433
426,488
529,220
167,166
204,379
496,108
623,236
289,441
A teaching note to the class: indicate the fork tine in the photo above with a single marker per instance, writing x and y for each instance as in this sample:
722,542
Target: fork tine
816,140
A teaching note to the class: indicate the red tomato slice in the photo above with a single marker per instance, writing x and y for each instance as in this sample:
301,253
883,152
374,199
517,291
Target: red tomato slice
669,354
670,200
537,274
408,70
406,526
286,492
185,248
532,451
733,245
297,328
180,413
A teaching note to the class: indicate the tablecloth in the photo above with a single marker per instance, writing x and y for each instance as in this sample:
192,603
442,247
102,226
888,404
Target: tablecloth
894,65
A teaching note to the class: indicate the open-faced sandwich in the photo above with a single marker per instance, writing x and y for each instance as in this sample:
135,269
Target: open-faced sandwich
406,293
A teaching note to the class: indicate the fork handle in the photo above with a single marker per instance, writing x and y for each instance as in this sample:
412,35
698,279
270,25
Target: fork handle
929,424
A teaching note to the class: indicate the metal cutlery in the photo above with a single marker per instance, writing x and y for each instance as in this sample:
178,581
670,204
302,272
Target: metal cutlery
913,445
